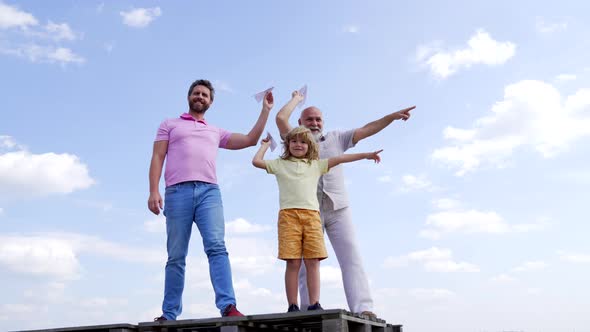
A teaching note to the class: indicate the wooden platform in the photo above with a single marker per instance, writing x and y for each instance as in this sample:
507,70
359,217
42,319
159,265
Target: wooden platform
334,320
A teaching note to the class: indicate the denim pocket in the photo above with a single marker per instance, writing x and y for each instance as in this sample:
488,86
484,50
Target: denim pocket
171,189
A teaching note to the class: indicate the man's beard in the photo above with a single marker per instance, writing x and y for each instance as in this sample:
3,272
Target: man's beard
317,135
198,109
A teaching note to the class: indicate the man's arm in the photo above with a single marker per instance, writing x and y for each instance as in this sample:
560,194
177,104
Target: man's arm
258,160
284,114
239,141
350,157
376,126
155,203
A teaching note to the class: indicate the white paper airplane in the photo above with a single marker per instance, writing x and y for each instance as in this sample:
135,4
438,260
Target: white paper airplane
260,95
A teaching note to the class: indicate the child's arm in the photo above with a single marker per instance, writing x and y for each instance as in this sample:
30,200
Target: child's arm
347,158
258,160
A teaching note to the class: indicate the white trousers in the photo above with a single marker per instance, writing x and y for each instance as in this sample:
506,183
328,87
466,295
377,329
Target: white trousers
338,225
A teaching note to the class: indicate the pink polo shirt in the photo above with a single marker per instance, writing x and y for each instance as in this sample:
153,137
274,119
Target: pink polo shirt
192,149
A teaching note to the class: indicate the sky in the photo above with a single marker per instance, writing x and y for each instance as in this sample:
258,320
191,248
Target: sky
476,220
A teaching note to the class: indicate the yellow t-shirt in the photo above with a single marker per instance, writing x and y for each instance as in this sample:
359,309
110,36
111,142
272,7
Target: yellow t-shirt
298,181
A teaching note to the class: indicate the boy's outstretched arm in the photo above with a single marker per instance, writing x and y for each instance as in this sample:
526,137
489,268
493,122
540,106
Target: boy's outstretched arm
241,141
350,157
285,112
258,160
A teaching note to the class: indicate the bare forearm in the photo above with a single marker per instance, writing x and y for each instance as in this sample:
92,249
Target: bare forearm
376,126
258,160
282,118
258,128
156,166
346,158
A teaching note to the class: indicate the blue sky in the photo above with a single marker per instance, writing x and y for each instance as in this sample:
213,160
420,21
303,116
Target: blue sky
476,220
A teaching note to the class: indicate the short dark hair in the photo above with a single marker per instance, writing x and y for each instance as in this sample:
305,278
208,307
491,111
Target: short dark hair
204,83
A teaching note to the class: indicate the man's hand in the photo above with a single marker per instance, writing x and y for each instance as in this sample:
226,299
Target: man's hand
155,203
297,96
374,156
268,102
403,114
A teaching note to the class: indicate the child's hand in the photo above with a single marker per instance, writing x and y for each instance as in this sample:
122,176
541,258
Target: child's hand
374,156
265,141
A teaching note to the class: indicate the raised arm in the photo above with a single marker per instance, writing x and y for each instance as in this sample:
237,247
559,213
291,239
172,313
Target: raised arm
240,141
350,157
376,126
258,160
284,114
155,203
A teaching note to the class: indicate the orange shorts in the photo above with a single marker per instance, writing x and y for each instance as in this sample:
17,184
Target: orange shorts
301,234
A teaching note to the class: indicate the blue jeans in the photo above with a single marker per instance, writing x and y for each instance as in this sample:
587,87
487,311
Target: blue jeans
198,202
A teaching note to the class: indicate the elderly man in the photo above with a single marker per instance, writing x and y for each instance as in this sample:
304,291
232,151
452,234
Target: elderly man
333,199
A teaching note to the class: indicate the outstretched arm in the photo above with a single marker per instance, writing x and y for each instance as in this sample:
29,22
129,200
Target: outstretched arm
285,113
350,157
376,126
258,160
240,141
155,203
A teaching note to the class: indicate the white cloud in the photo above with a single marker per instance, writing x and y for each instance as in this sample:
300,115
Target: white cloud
222,86
155,225
39,256
12,17
351,28
1,211
7,142
429,294
416,183
254,265
532,114
575,257
565,77
24,173
446,203
251,255
331,276
545,27
503,278
242,226
140,17
433,260
55,255
44,54
60,31
480,49
530,266
385,179
472,221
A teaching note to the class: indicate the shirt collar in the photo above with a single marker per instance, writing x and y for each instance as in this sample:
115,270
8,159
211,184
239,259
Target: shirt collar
187,116
303,160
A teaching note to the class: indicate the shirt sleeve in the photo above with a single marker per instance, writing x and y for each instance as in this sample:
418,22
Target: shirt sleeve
224,136
323,166
345,139
271,166
163,133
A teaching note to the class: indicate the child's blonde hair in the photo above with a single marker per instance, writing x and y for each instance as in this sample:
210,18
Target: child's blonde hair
306,135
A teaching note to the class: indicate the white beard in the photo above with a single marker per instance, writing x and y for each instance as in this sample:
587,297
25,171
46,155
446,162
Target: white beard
317,135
